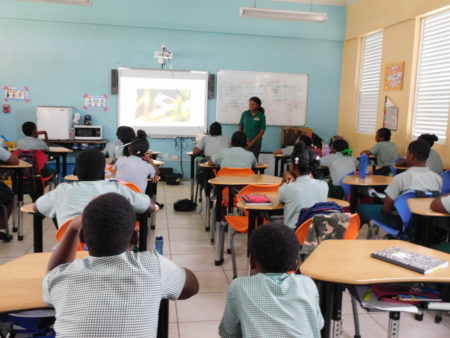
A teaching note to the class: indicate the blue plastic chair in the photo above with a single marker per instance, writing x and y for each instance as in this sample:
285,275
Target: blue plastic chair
346,187
392,168
445,182
403,210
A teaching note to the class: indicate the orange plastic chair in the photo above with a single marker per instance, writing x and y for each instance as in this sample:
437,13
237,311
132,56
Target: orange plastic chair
239,224
225,171
351,233
62,230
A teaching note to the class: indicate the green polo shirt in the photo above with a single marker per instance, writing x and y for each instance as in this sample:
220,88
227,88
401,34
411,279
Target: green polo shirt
253,124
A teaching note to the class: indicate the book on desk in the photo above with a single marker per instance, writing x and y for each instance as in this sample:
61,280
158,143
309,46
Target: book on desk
410,260
256,199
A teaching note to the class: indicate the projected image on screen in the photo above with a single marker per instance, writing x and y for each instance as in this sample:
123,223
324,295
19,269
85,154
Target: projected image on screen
162,105
163,102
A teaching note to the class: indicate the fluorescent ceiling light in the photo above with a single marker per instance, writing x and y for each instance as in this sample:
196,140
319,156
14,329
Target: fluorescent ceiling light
66,2
278,14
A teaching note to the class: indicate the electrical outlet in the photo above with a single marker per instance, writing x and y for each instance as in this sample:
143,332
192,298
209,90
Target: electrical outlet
166,156
174,157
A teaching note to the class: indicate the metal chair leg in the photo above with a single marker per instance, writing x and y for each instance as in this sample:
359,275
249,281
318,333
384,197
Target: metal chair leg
233,252
7,236
355,318
15,213
20,220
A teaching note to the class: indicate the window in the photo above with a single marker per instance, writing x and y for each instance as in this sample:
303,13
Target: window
431,105
369,83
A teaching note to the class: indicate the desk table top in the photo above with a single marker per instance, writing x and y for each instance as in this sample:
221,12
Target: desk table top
245,180
349,262
59,150
257,166
421,206
369,180
22,164
21,282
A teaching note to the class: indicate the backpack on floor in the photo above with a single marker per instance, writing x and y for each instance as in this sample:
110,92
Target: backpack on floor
184,205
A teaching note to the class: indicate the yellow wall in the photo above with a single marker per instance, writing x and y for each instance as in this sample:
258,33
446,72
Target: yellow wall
400,21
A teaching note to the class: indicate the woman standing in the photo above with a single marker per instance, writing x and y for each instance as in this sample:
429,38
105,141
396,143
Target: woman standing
253,124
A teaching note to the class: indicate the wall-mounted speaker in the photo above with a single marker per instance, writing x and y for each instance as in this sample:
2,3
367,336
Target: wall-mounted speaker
114,82
211,86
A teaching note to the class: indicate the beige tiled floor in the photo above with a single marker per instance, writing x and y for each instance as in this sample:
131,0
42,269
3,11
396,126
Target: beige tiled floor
187,243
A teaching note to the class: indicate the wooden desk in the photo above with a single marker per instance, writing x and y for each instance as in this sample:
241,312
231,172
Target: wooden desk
337,263
258,168
37,228
424,216
369,181
226,181
17,183
283,159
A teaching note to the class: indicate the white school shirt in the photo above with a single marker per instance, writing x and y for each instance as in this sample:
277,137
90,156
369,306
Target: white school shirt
112,296
235,157
32,143
434,162
445,200
304,192
339,165
386,152
211,145
272,305
110,148
415,178
135,170
4,155
69,199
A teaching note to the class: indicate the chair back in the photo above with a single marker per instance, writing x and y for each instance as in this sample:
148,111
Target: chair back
392,168
353,227
257,189
445,182
401,204
346,187
225,171
302,230
62,230
132,186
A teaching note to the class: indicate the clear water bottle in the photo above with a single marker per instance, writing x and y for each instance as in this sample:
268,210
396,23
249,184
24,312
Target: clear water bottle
363,163
159,242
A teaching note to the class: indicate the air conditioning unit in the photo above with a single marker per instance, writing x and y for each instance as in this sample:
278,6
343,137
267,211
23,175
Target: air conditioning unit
66,2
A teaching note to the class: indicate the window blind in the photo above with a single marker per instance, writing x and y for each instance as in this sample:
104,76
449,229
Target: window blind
432,96
369,83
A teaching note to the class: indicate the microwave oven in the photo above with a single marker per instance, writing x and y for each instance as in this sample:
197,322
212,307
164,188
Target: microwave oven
83,132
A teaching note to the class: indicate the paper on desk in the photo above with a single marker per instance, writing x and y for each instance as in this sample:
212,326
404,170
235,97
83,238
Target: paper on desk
374,304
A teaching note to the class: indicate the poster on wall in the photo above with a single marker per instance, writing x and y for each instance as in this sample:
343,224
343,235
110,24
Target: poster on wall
16,94
390,120
95,102
393,76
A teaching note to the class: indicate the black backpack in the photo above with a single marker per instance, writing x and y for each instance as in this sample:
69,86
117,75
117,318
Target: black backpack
184,205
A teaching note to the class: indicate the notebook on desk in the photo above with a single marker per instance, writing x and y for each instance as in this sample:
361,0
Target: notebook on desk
256,199
410,260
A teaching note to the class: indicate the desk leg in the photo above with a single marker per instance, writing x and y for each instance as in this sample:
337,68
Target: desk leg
277,160
394,324
326,302
153,197
19,205
251,226
143,231
64,168
192,177
208,209
163,319
282,167
336,290
58,167
37,232
353,198
219,242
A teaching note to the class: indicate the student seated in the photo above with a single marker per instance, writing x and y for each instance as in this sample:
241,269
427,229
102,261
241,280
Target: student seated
340,162
418,177
31,141
236,156
69,199
434,161
298,189
213,143
6,194
385,151
110,148
272,303
288,150
137,166
125,136
113,292
441,204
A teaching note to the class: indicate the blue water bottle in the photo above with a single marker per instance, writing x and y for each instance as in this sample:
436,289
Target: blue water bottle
363,162
159,244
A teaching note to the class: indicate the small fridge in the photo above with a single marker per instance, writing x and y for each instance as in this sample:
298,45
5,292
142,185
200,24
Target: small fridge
57,121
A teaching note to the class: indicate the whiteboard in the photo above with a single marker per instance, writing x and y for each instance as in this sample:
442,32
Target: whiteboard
283,96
